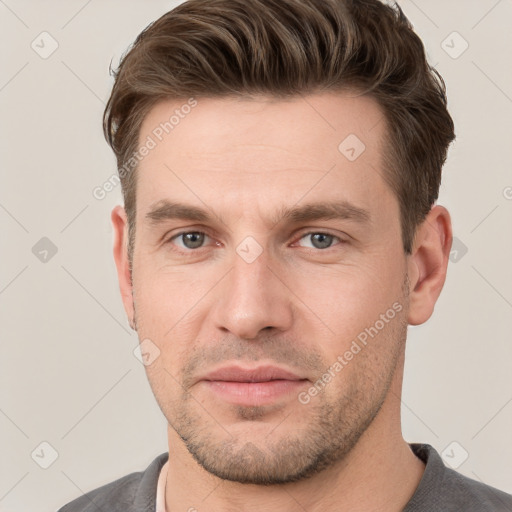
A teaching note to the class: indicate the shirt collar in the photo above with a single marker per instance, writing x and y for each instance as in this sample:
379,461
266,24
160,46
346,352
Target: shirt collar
160,489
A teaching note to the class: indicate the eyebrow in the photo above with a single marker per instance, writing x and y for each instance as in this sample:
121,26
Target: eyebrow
343,210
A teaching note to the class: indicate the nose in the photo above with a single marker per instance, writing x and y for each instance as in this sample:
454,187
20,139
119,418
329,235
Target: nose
253,297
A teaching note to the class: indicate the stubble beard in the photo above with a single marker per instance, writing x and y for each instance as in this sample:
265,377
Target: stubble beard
334,425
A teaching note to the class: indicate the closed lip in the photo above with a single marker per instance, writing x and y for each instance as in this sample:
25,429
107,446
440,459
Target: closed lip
258,374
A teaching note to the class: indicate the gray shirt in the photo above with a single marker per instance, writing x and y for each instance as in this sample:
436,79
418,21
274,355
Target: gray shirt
441,489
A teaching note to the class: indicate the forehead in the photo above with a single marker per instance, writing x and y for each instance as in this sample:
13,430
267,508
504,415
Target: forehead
247,152
215,123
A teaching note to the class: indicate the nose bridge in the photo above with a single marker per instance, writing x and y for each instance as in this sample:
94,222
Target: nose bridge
252,298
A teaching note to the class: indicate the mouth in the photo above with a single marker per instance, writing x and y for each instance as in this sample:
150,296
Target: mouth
253,386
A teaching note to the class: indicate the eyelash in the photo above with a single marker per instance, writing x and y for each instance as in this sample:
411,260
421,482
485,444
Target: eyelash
190,251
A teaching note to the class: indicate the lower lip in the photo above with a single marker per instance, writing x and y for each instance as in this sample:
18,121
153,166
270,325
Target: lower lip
254,393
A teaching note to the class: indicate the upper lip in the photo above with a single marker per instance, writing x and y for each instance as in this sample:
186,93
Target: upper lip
258,374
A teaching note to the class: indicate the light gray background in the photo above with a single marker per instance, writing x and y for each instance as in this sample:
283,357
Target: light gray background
68,373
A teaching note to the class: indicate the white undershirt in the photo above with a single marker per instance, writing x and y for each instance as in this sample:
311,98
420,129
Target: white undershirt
160,489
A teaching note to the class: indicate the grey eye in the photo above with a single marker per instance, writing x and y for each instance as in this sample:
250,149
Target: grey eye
192,240
320,240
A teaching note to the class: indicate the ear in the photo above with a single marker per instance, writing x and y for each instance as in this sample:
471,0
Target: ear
428,263
120,225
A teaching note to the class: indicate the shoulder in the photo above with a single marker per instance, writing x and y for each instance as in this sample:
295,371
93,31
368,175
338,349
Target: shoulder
474,495
442,488
123,494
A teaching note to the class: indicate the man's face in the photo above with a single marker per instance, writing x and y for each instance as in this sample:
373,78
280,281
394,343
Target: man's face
248,287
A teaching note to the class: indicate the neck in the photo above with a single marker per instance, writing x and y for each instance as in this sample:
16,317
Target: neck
380,473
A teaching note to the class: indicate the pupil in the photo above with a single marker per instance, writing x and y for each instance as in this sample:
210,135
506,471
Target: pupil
324,240
195,239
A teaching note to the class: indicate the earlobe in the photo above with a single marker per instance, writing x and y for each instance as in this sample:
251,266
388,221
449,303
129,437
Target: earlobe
428,264
120,226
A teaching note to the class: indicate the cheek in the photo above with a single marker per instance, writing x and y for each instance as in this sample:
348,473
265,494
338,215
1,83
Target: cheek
347,299
169,311
366,356
164,297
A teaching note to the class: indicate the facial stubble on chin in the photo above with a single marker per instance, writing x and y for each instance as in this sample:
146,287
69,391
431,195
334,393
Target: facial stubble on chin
332,429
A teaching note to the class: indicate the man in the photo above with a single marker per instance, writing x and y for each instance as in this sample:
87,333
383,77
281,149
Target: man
280,163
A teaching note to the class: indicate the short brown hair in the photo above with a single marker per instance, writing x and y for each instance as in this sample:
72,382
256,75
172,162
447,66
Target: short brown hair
283,48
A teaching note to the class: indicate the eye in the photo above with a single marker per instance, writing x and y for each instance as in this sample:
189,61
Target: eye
190,239
320,240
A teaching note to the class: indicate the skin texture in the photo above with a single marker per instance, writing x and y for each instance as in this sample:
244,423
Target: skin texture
299,304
